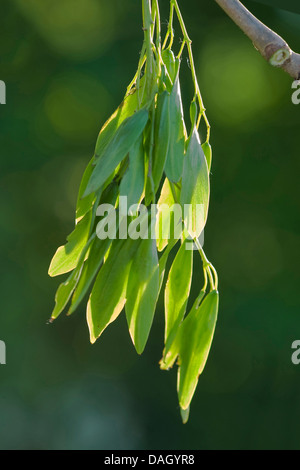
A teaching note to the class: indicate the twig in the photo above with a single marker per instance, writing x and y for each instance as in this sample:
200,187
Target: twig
271,46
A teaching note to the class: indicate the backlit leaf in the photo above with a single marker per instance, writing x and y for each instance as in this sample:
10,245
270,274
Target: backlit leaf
89,271
66,257
170,62
206,147
177,291
161,138
124,111
84,204
66,289
108,296
175,156
142,293
132,185
196,337
195,187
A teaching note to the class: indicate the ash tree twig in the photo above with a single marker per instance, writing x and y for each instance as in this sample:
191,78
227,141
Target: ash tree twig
271,46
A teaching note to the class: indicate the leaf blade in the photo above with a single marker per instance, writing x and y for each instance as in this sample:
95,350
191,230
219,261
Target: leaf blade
177,131
196,338
108,296
133,182
89,271
142,293
161,138
177,292
117,149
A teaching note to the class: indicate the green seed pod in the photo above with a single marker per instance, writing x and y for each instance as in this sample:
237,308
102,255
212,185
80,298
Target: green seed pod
177,292
161,138
195,187
206,147
193,113
177,132
196,337
142,293
67,257
117,149
108,296
185,414
170,62
133,182
123,266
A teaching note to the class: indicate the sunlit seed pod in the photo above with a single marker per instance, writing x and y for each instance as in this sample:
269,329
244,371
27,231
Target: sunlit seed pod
161,138
193,113
117,149
196,337
206,147
170,63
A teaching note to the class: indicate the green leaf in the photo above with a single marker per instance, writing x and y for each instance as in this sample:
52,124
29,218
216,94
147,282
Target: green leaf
84,204
132,184
89,271
185,414
195,187
66,257
97,252
177,292
64,293
196,337
163,261
170,355
193,113
175,156
117,149
142,293
165,217
170,62
66,289
161,138
149,149
108,296
207,150
124,111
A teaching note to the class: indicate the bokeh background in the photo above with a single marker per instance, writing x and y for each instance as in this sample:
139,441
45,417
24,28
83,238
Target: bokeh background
67,64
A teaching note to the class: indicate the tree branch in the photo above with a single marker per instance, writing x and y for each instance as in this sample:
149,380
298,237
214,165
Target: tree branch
271,46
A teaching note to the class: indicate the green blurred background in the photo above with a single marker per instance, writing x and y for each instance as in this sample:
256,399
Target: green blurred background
66,64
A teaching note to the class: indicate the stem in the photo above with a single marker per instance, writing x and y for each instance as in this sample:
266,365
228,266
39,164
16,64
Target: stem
170,32
188,42
147,25
207,266
158,27
271,46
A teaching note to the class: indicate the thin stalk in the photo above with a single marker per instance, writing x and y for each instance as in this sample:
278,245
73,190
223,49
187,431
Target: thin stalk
188,42
170,31
147,25
136,79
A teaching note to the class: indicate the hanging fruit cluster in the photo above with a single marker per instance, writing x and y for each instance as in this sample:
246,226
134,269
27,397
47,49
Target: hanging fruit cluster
145,154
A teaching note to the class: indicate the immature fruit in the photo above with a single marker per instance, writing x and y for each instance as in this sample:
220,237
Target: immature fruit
144,155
